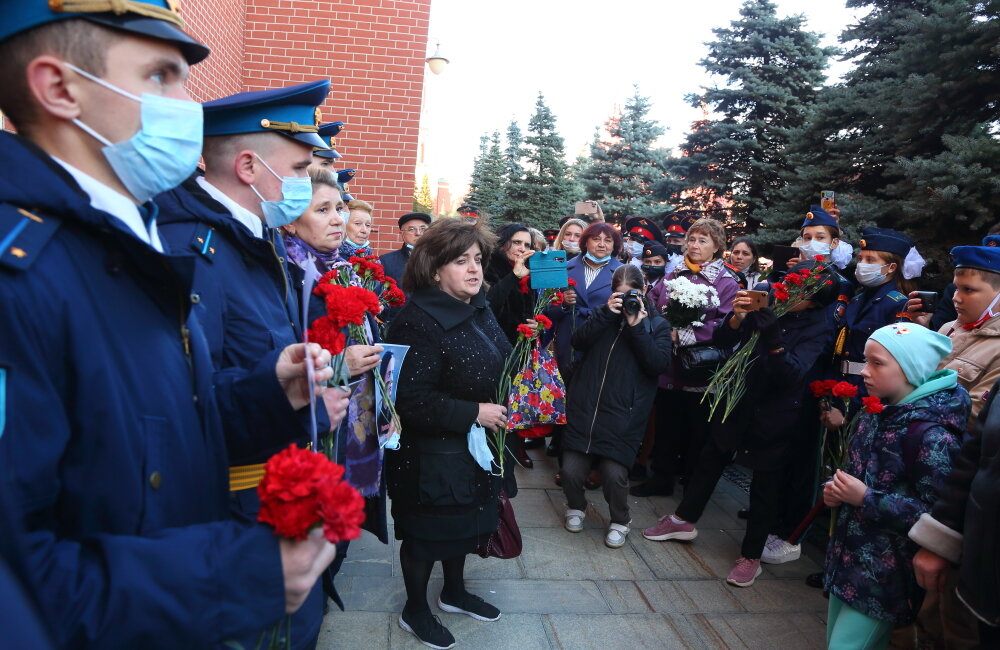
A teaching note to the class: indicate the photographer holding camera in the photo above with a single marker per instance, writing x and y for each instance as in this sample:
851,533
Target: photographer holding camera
625,346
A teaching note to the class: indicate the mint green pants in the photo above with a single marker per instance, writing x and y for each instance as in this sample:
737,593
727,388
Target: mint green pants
849,629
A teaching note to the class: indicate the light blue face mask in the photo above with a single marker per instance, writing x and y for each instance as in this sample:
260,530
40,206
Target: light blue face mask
634,248
165,150
597,260
296,195
479,448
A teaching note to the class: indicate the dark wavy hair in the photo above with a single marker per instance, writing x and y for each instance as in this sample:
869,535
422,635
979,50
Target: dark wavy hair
601,228
445,241
507,233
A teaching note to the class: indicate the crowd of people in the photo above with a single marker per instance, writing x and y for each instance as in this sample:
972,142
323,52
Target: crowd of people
151,362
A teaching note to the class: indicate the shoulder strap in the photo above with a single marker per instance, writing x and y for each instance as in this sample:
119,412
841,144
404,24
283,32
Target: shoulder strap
23,235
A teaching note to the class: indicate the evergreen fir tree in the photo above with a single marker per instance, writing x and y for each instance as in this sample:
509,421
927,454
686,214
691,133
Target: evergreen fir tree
909,139
625,167
422,200
545,193
773,69
486,189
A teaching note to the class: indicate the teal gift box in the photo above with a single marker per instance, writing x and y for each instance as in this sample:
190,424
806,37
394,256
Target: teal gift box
548,270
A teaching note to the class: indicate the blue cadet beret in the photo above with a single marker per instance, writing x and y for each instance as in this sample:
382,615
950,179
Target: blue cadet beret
293,111
329,134
983,258
817,216
643,227
150,18
885,240
345,176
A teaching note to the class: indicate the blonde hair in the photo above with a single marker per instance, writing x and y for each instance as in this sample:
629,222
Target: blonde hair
358,204
580,223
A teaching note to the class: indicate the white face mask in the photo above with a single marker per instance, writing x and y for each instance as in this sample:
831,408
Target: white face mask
813,247
870,275
634,248
571,247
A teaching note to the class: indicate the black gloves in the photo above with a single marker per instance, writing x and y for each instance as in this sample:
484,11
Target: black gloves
770,330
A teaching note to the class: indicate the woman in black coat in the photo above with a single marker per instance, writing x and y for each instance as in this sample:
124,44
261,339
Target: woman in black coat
444,504
503,273
627,347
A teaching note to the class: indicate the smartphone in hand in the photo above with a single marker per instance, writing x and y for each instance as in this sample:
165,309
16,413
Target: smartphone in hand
928,300
758,300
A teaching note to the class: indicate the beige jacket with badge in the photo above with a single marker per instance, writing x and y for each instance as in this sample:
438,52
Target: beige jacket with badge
975,355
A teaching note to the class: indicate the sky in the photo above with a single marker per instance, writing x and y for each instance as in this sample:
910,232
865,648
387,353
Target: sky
585,56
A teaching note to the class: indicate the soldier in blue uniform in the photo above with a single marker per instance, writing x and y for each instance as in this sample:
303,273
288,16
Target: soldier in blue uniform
325,155
887,261
114,447
345,176
637,232
227,219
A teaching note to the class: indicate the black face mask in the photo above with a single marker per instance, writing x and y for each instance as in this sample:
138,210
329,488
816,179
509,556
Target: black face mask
653,271
673,249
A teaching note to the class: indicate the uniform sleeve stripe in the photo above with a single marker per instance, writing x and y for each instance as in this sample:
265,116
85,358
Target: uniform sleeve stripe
12,235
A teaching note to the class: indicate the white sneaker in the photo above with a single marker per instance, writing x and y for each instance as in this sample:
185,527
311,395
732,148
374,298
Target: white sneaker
574,520
616,535
778,551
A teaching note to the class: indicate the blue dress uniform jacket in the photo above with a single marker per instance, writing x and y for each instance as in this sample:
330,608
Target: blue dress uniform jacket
246,305
247,311
869,309
114,446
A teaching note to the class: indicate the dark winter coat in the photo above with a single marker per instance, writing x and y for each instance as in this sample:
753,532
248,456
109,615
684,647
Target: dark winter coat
509,305
615,383
963,525
394,264
869,561
456,357
777,403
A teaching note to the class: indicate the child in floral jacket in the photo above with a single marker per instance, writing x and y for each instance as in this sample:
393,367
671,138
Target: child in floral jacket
889,482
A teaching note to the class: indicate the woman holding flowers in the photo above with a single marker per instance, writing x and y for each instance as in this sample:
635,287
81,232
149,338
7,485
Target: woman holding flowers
681,416
770,418
444,502
896,463
623,352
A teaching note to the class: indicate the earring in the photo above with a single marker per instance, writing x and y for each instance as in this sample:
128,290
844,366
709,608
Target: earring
437,278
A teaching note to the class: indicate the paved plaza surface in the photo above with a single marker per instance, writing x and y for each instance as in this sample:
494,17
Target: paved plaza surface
569,591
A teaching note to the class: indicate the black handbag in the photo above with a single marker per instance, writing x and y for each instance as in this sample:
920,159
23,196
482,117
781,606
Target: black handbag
697,362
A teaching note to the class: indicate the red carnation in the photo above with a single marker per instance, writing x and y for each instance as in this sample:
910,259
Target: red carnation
558,298
544,321
572,282
844,390
818,258
330,337
290,490
872,404
523,284
348,305
780,291
819,388
527,331
342,510
795,279
828,282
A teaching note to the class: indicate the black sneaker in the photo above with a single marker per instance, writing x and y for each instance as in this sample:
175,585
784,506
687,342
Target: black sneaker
428,629
472,605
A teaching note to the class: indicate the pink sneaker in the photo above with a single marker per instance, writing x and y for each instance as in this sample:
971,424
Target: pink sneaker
670,529
744,573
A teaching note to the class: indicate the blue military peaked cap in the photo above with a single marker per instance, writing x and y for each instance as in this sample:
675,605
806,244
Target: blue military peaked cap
345,176
152,18
886,240
983,258
293,111
329,134
817,216
643,227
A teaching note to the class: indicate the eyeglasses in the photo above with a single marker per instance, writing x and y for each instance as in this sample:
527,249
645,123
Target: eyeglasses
415,229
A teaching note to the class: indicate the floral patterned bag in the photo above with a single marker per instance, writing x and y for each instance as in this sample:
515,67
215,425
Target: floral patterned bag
537,396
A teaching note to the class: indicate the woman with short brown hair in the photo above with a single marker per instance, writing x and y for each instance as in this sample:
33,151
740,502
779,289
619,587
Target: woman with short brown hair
444,500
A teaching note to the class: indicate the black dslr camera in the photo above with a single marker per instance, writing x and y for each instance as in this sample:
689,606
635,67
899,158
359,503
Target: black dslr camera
632,302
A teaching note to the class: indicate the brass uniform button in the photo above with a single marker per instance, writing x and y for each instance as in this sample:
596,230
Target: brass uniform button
155,479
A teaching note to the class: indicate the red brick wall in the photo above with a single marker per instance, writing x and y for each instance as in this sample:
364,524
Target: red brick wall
373,50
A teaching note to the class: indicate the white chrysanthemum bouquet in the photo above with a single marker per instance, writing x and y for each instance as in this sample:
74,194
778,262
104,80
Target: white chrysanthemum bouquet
688,302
